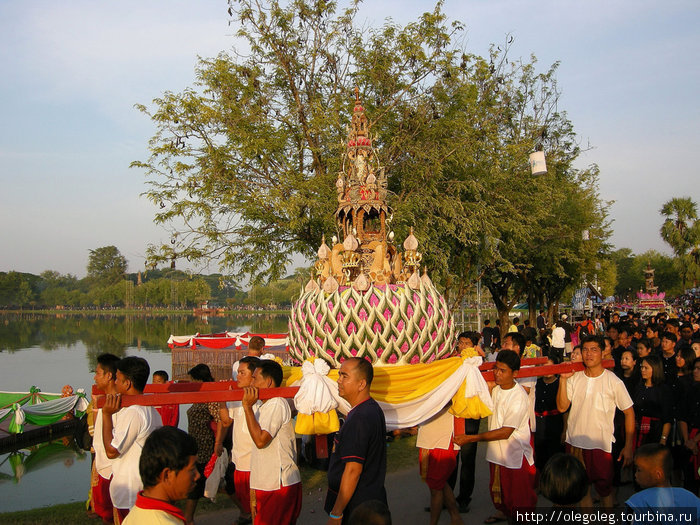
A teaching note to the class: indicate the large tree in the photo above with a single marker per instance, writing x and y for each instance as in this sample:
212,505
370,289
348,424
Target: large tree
106,265
243,165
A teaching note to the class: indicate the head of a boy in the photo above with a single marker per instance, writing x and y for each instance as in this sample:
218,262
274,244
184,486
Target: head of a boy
160,377
268,374
106,370
506,368
132,375
246,367
653,465
168,463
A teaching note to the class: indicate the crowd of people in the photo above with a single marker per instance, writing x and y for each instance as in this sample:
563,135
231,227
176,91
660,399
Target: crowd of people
594,424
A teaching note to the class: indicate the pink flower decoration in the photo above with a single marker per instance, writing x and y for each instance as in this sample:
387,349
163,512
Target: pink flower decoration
353,351
426,346
404,348
352,328
327,328
362,314
421,324
351,302
415,360
313,308
319,317
393,359
400,325
430,311
409,311
387,314
377,327
309,329
319,341
373,300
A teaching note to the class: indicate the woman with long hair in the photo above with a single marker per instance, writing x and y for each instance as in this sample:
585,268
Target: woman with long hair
653,403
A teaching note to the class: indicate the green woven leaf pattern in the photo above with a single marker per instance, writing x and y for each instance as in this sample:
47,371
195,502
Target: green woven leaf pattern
348,323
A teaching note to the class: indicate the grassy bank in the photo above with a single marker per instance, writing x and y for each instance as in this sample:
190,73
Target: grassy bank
401,454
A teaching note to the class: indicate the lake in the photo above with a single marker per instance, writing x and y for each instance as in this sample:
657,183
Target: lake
50,351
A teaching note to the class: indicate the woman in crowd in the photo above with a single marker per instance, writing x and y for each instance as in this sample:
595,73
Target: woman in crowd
204,425
653,404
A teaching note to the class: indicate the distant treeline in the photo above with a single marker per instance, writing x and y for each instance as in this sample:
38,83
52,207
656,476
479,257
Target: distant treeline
154,288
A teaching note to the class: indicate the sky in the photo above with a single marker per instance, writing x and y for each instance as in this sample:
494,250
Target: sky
71,72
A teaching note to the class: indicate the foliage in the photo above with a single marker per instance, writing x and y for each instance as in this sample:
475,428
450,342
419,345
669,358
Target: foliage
242,165
106,265
630,272
681,231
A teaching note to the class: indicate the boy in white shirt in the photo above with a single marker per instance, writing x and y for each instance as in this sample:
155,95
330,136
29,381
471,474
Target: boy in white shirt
242,442
275,481
124,431
509,453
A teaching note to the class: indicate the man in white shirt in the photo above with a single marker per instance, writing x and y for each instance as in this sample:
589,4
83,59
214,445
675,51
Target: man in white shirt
124,431
242,442
275,481
509,453
593,395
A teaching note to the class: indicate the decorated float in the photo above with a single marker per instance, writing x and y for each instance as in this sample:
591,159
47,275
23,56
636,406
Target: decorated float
650,301
367,299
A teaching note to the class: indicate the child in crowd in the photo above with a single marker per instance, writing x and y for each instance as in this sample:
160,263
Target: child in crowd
563,480
169,414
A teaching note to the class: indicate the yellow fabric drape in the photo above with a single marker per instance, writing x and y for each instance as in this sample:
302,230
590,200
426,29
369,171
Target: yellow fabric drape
317,423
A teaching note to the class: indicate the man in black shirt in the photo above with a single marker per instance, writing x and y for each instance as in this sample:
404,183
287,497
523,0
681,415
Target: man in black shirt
358,462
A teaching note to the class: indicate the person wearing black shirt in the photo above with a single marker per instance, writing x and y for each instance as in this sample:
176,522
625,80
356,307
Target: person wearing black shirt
668,356
357,465
550,422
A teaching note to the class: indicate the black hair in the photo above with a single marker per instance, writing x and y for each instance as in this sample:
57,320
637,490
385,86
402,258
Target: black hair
487,322
555,358
633,352
657,368
645,342
251,362
371,512
271,370
688,355
623,327
517,338
201,372
670,336
474,337
564,480
161,373
594,339
109,363
365,369
463,334
509,358
673,322
166,447
136,370
660,453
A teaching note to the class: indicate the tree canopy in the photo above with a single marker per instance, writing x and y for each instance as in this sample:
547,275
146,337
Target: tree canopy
106,265
243,164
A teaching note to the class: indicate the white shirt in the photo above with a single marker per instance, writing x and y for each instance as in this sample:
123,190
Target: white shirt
132,425
103,465
242,442
558,337
437,432
510,409
273,466
593,402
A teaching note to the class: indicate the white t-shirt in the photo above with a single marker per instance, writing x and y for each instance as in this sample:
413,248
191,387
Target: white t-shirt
437,432
242,442
530,383
132,425
103,465
274,466
558,337
510,409
593,402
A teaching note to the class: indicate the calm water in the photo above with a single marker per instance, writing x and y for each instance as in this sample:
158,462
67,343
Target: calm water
52,351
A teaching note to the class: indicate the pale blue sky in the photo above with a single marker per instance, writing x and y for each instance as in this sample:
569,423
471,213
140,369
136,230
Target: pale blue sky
70,73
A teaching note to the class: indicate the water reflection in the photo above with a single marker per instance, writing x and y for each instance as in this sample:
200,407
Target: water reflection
50,351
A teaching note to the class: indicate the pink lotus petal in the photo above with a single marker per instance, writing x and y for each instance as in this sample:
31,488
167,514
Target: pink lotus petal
433,336
377,327
430,299
331,352
309,329
351,328
409,311
380,352
351,302
330,305
313,308
362,314
421,323
337,341
430,310
373,300
327,328
404,348
415,360
415,337
319,341
426,346
442,345
400,325
353,351
431,359
387,314
416,297
393,359
394,300
319,317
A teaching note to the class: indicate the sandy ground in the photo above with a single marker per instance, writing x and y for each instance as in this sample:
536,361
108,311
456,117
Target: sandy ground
408,496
